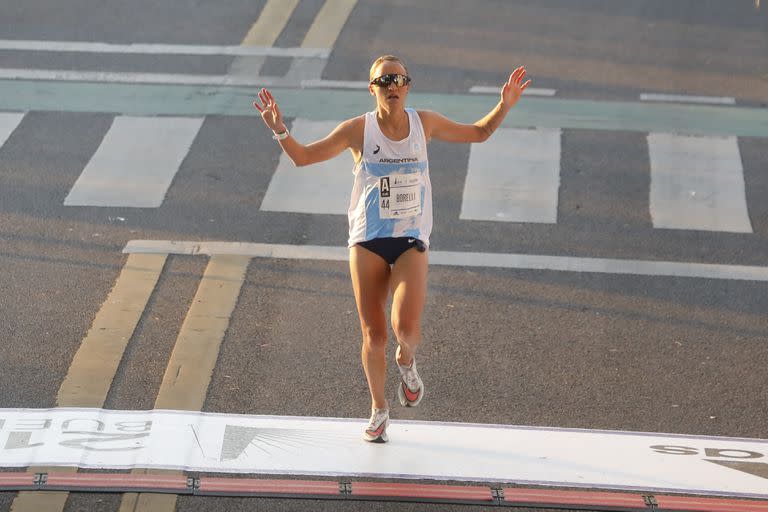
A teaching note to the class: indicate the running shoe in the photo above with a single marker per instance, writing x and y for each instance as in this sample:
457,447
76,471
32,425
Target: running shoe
376,431
411,389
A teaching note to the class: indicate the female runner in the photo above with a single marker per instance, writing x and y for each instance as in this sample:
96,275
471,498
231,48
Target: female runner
390,214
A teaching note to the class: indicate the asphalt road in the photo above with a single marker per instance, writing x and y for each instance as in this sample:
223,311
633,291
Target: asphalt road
503,346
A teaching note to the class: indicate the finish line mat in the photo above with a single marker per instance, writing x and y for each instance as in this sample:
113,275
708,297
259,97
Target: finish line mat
229,443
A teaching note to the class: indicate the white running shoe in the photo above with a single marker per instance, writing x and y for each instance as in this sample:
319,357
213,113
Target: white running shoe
411,389
376,431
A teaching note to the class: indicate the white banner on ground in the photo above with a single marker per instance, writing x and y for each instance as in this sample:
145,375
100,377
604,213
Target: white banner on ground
194,441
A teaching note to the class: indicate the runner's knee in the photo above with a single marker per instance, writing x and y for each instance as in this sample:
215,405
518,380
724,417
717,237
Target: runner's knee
374,338
406,330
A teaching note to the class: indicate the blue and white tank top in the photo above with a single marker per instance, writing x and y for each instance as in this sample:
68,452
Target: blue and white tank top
392,195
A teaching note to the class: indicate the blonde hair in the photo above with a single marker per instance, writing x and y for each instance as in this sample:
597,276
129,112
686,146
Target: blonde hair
386,58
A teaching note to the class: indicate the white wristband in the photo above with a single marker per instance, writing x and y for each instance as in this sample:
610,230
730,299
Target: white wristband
281,136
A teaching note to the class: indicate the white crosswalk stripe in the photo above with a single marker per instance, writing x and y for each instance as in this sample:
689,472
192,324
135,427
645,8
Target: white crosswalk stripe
135,163
514,177
8,123
697,183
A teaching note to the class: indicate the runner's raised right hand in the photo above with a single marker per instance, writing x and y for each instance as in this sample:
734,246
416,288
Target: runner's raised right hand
269,111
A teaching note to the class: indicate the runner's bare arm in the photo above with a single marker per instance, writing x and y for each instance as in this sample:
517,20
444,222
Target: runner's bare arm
440,127
341,138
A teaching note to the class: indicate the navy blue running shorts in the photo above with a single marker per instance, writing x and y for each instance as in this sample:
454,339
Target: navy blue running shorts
391,248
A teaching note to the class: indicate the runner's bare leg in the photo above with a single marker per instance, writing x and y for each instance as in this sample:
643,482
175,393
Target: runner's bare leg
370,281
409,292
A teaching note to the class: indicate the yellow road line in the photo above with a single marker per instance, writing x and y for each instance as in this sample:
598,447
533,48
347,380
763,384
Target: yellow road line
328,24
94,366
189,370
41,500
272,20
95,363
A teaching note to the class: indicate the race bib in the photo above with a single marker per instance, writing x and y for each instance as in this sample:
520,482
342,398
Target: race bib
399,196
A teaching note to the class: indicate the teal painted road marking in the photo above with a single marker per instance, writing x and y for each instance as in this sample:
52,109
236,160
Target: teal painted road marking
326,105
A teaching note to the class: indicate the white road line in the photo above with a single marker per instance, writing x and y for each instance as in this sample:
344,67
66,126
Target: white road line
9,121
164,49
514,177
494,89
320,188
236,78
135,163
141,78
682,98
697,183
333,84
463,259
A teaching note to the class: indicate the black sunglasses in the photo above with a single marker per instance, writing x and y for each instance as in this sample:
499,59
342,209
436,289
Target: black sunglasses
392,78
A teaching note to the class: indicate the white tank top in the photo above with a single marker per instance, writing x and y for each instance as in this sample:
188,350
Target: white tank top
392,195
